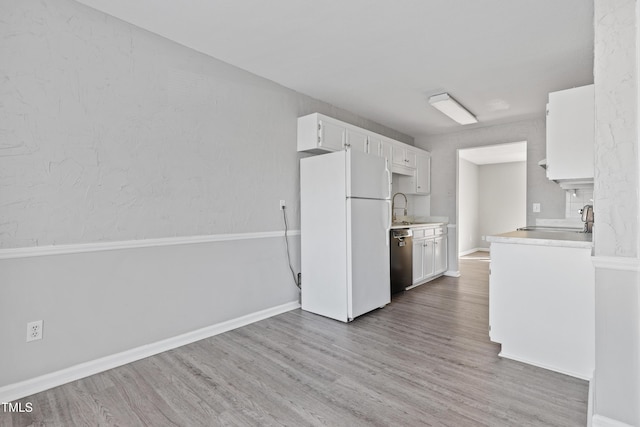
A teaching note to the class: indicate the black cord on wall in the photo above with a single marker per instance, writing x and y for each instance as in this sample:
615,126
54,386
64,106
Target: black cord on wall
296,280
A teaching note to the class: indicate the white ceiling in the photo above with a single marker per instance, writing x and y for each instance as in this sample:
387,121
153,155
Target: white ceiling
500,153
382,59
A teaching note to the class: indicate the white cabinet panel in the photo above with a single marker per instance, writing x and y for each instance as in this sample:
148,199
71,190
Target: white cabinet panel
420,181
428,268
386,151
331,136
429,253
440,254
320,134
403,156
418,261
357,140
541,306
423,174
570,134
382,148
397,154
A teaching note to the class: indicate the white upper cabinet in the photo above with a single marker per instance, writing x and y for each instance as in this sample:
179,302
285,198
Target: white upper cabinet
404,156
386,151
381,147
320,134
423,174
316,134
330,136
357,141
416,180
570,134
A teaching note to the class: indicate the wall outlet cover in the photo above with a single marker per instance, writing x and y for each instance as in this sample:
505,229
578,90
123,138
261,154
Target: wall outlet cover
34,330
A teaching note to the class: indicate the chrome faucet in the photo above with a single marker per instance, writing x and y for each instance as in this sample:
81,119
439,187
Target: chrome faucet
587,218
393,205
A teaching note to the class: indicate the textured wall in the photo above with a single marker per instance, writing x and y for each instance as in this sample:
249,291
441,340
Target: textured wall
443,167
616,149
109,132
616,207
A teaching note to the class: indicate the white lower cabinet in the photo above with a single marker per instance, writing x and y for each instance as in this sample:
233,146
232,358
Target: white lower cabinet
429,253
440,254
422,260
542,305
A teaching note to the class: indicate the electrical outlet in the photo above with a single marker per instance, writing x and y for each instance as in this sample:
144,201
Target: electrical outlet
34,330
536,207
283,204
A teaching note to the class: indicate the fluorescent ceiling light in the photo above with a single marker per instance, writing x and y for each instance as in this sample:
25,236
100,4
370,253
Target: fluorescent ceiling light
451,108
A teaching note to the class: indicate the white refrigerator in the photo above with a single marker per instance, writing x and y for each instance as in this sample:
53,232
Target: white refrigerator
345,216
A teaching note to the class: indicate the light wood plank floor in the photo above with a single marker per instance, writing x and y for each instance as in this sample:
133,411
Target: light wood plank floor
425,359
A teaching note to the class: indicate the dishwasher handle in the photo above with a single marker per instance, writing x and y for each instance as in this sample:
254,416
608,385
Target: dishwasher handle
401,233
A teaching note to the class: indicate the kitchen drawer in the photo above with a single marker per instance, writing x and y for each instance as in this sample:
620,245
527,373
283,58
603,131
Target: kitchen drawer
441,230
421,233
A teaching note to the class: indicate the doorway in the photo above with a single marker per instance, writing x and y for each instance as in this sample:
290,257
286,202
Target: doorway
491,193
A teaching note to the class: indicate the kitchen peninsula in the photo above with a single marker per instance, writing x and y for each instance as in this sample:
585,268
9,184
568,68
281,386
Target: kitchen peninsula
541,299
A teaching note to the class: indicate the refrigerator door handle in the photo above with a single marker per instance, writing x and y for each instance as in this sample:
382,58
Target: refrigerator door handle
389,215
389,186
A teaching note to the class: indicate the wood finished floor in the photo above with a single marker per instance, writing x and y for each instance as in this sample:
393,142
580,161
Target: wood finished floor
425,359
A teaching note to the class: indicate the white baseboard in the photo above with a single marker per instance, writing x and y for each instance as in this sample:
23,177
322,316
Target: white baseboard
582,376
35,385
470,251
452,273
600,421
591,399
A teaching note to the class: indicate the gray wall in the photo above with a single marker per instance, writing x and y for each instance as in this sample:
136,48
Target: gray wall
502,198
468,220
111,133
491,201
443,166
114,133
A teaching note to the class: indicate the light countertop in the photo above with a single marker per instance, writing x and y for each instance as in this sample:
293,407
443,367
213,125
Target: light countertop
545,238
418,225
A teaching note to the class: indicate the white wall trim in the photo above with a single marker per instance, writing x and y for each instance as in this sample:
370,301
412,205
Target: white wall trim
33,251
591,399
580,375
470,251
616,263
35,385
600,421
451,273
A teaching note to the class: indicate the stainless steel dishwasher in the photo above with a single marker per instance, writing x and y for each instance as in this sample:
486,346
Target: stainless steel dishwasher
401,259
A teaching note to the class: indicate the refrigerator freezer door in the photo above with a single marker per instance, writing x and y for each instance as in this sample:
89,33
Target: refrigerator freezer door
369,285
367,176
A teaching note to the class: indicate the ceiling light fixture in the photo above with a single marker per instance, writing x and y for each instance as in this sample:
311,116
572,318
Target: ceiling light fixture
453,109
